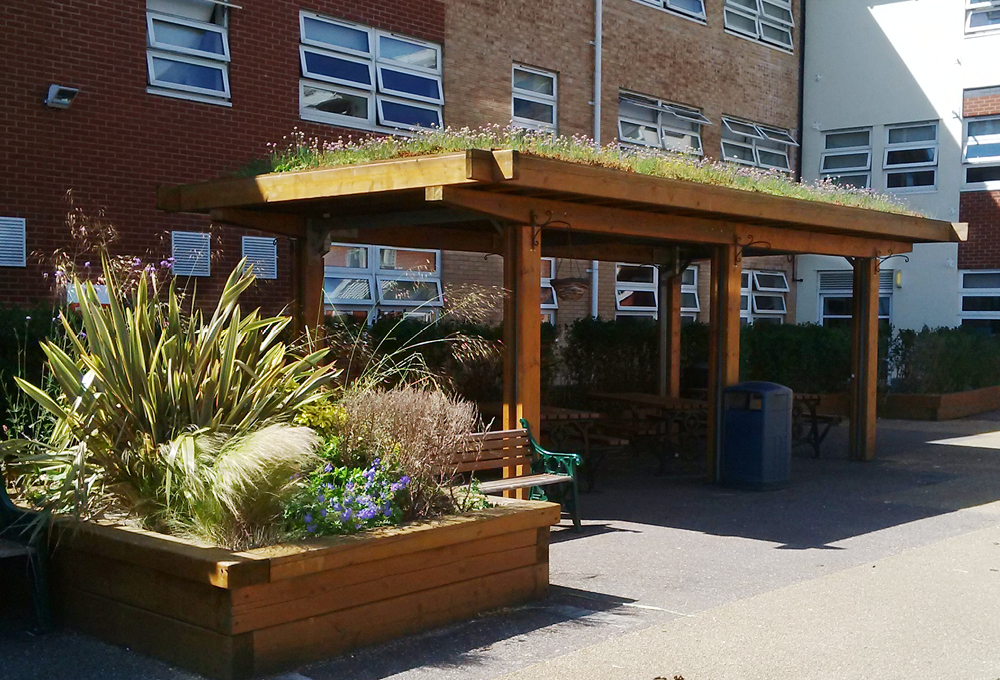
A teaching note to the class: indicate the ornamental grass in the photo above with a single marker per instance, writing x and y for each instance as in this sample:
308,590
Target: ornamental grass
298,152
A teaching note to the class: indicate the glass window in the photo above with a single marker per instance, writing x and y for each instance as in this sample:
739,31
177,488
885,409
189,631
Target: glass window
377,281
910,160
650,122
637,290
766,21
847,157
981,153
534,98
762,298
980,308
694,9
187,51
837,300
762,146
387,80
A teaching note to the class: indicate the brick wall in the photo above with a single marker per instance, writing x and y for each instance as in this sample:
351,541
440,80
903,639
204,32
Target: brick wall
983,101
116,143
981,209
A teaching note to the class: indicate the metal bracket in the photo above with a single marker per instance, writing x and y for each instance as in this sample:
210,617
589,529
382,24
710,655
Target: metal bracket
751,241
536,226
882,258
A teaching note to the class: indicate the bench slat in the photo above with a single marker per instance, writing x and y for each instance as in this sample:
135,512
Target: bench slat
13,549
494,464
523,482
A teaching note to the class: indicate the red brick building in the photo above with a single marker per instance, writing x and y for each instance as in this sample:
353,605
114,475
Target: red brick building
170,91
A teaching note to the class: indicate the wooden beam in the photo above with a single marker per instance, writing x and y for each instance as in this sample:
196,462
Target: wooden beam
441,238
310,274
724,346
510,251
864,359
282,224
738,205
461,167
661,226
669,321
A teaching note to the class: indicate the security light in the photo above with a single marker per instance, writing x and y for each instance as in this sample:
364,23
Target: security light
60,96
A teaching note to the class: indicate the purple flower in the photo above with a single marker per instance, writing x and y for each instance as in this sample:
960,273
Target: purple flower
328,468
308,518
136,262
87,263
311,528
387,510
350,486
320,498
322,512
346,515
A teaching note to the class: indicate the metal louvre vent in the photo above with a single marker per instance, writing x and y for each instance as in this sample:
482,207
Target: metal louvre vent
844,280
12,248
262,253
192,253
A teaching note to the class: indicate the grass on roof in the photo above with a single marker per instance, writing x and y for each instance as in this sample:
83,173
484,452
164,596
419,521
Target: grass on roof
297,152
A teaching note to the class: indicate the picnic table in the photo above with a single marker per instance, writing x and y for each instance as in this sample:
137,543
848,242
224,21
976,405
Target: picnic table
808,425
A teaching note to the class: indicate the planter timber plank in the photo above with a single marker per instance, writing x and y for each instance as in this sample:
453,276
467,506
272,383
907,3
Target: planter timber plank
231,615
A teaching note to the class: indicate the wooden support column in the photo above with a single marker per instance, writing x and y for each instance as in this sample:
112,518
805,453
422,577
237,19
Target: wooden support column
522,332
309,274
669,341
724,345
864,359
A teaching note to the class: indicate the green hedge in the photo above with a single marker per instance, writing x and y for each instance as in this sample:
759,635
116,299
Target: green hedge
943,360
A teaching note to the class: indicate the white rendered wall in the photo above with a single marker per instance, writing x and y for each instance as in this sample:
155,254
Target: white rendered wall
872,63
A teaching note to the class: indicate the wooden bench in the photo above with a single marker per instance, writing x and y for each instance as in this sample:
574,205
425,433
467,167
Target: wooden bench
493,451
20,537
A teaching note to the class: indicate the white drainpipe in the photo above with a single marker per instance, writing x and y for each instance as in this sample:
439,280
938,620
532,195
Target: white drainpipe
598,52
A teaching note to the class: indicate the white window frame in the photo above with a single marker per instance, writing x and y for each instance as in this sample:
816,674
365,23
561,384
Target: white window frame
907,168
377,305
547,100
885,290
671,7
264,270
762,20
974,7
13,242
624,287
864,170
751,290
377,94
987,161
156,49
757,137
976,292
667,115
549,309
200,267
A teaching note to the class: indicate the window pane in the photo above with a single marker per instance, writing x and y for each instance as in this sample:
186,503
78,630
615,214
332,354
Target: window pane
548,296
750,5
856,181
548,268
408,291
979,128
351,290
342,69
764,320
741,128
530,110
533,82
981,280
744,303
392,259
845,160
982,150
837,323
981,20
990,174
397,113
771,281
745,280
637,298
421,86
884,305
628,109
680,142
773,159
980,304
738,152
336,35
987,326
689,301
901,180
347,256
768,303
635,273
406,52
188,37
639,134
910,156
741,23
332,101
689,276
692,6
837,306
842,140
199,10
776,12
776,34
190,74
920,133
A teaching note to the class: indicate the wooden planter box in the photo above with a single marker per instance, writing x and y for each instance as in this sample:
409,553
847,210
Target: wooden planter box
233,615
939,406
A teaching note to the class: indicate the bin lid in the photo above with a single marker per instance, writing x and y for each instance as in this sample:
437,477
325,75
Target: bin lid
757,387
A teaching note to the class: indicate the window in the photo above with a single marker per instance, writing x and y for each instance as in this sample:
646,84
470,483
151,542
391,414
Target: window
762,297
847,157
650,122
910,160
373,281
981,301
550,301
262,253
361,77
836,301
534,98
981,153
192,253
766,21
694,9
187,51
12,244
637,294
981,16
761,146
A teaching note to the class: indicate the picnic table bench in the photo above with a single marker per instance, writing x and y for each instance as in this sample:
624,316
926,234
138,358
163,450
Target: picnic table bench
808,425
19,538
493,451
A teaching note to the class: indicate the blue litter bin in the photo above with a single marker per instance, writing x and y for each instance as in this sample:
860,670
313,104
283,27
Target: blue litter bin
756,436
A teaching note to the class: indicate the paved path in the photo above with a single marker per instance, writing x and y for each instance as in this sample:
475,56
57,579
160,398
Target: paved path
672,576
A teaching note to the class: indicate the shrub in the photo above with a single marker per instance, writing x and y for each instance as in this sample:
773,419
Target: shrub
141,374
943,360
804,357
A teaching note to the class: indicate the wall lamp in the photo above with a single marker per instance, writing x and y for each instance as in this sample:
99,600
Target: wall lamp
60,96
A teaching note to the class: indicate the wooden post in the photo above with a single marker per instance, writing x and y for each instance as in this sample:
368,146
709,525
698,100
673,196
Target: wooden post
724,345
669,339
522,332
309,275
864,359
